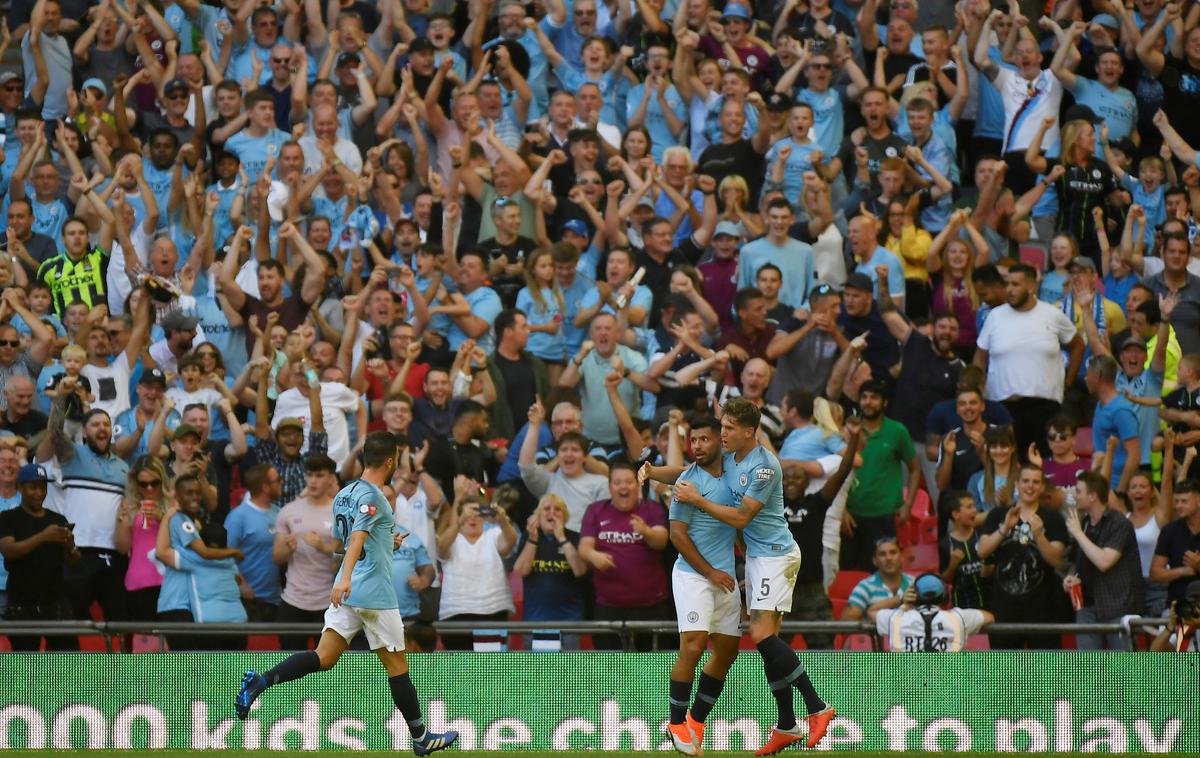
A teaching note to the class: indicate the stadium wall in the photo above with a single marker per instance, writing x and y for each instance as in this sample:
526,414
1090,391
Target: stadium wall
1063,702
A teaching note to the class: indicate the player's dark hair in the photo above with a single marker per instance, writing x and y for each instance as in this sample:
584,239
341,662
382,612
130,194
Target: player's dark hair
315,462
1095,483
706,422
378,449
743,412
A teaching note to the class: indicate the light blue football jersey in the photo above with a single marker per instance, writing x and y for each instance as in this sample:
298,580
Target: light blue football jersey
362,507
713,538
760,476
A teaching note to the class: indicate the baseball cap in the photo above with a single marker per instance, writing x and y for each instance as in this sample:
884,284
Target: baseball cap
348,59
32,472
734,10
277,200
1080,113
1082,261
645,202
183,430
8,76
1133,341
153,376
576,226
1107,21
95,83
1192,592
178,321
930,589
779,103
289,421
727,228
420,45
171,86
859,281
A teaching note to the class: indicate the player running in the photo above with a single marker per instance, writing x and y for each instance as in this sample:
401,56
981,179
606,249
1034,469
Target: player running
706,599
364,598
772,561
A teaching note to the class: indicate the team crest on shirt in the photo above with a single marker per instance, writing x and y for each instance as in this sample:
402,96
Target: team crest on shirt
890,152
189,527
752,61
743,480
271,149
367,509
764,474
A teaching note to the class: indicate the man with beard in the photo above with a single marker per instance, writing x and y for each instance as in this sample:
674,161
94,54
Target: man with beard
93,481
1020,348
929,367
878,499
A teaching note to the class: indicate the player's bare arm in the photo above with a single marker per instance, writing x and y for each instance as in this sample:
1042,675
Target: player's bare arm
341,590
683,543
739,518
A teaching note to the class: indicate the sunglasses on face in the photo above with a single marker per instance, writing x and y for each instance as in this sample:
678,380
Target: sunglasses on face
1059,436
281,61
9,343
149,483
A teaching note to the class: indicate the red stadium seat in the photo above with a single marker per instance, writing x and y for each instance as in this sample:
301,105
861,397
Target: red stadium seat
843,585
921,558
978,642
1033,255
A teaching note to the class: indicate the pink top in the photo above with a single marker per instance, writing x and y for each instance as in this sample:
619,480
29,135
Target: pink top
143,572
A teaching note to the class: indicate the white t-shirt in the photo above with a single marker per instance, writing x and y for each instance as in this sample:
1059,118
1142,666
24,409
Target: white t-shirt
203,396
905,630
1044,94
412,513
336,401
1024,351
110,385
473,577
117,279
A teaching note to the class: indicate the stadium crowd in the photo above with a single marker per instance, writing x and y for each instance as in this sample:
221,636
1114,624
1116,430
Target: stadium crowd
535,241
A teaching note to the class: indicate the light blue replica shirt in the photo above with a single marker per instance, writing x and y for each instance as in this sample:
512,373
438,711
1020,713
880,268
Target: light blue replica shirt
176,591
809,443
361,507
795,262
406,559
547,346
759,476
485,304
126,424
828,118
884,257
252,530
254,152
661,136
713,538
215,598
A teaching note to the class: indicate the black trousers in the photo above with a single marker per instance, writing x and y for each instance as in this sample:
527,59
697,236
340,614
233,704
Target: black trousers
643,642
858,549
290,614
181,642
99,577
466,640
51,610
1030,415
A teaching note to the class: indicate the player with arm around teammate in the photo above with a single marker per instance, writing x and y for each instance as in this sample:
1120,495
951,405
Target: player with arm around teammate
364,598
706,598
754,476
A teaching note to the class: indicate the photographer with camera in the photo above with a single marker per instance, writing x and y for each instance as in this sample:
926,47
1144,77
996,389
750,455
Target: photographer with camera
921,625
1182,632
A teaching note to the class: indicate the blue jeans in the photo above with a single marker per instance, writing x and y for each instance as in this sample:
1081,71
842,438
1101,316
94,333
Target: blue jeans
1094,641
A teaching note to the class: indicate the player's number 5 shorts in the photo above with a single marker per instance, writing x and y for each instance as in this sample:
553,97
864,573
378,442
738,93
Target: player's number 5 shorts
701,606
384,627
770,581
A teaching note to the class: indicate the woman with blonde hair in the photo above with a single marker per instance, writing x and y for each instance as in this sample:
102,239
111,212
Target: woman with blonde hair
1080,179
952,259
551,567
734,196
993,487
148,495
541,300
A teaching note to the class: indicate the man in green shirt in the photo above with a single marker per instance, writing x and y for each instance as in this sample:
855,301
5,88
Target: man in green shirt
878,497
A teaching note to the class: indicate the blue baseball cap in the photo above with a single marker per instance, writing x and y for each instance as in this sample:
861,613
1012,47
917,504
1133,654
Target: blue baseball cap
734,10
32,472
930,589
577,226
95,83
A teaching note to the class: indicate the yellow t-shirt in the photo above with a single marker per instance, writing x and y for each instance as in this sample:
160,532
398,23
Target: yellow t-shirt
912,248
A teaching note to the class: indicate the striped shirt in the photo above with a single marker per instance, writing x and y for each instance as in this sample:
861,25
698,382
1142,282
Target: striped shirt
872,589
72,281
93,486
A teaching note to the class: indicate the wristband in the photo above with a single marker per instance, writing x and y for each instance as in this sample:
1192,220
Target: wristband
564,543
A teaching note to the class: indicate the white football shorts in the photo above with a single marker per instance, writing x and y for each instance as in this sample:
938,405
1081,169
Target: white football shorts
701,606
770,581
384,626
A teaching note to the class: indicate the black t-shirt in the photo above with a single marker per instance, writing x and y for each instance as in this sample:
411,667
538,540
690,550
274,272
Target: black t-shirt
149,122
28,425
925,378
516,251
878,150
448,459
36,579
1181,88
806,520
519,382
1080,190
736,158
966,461
1024,586
1174,540
970,589
552,591
882,351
